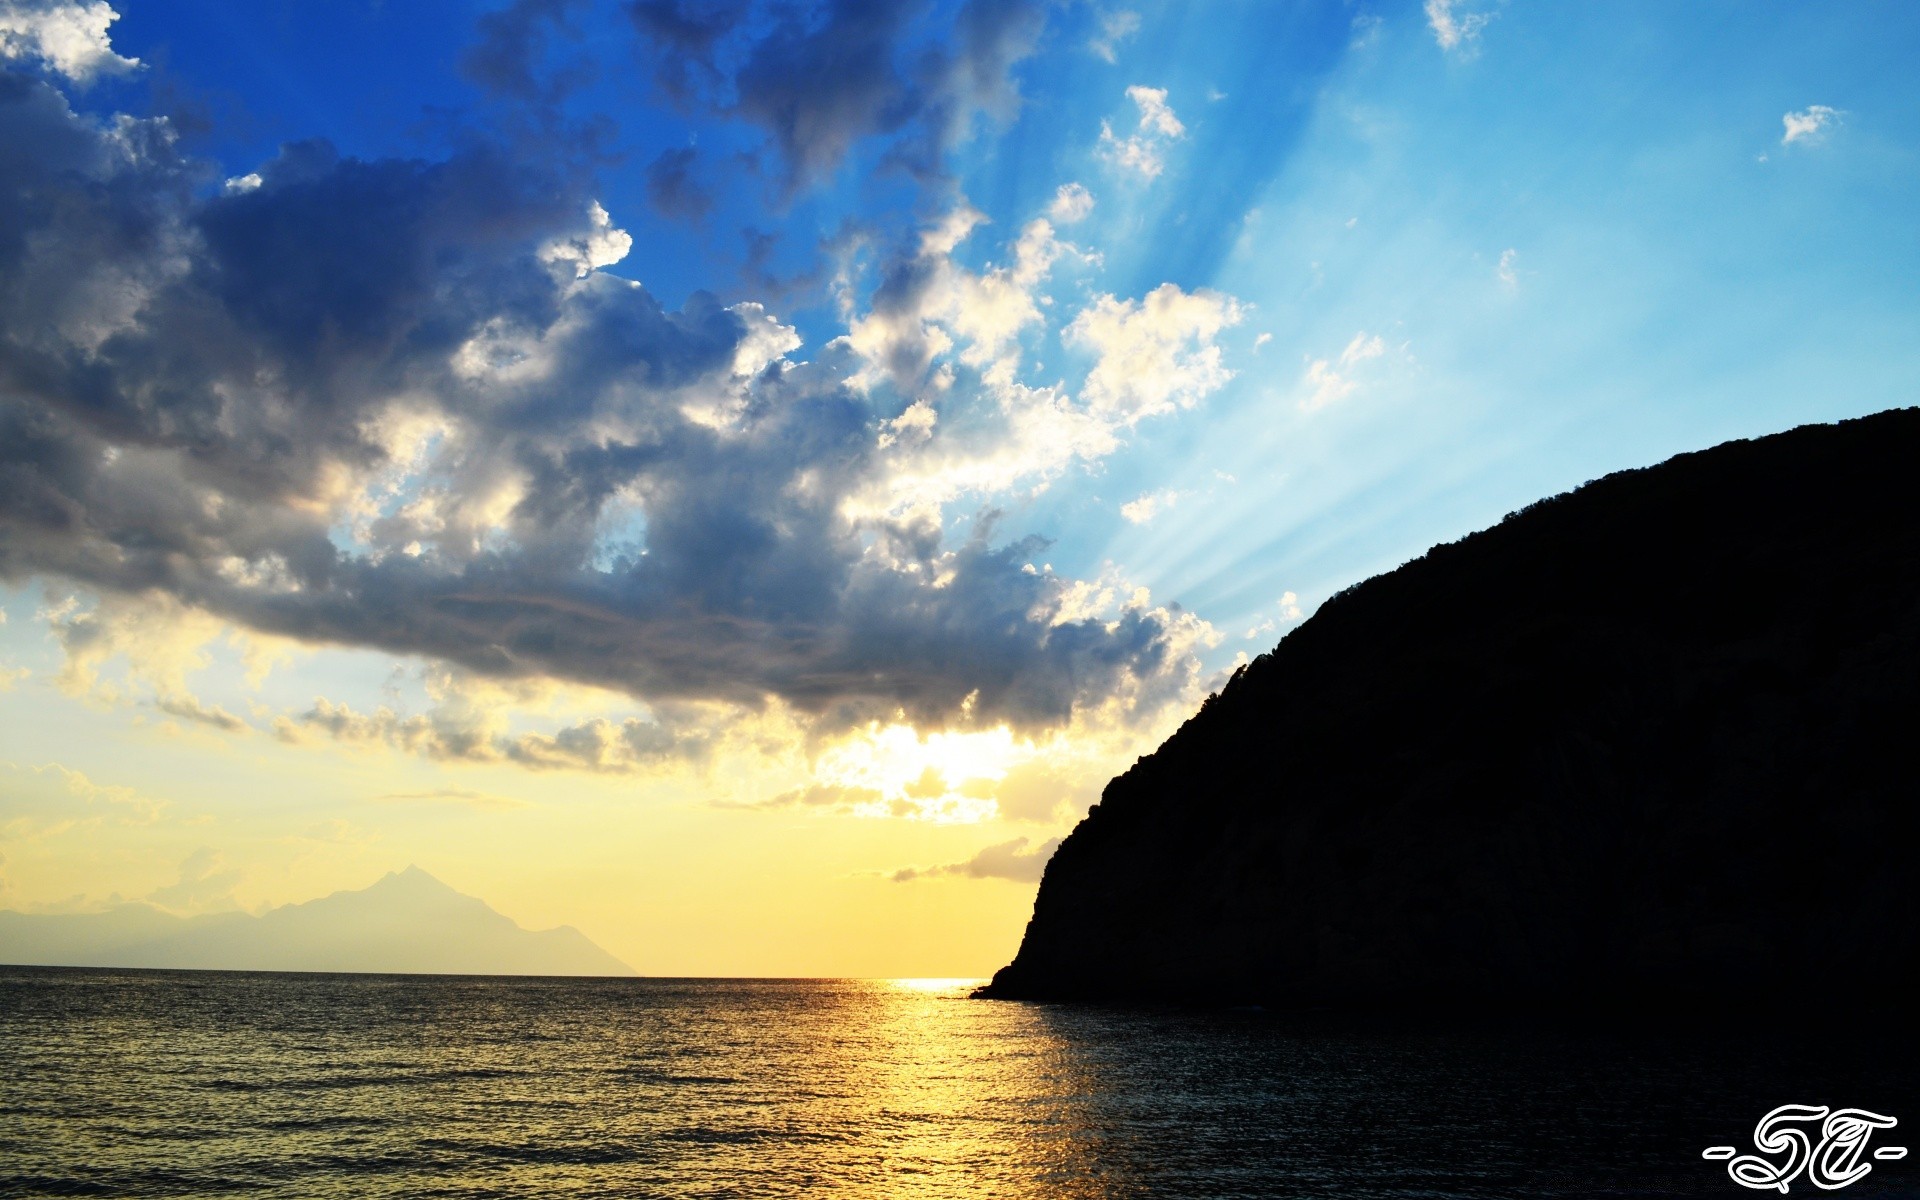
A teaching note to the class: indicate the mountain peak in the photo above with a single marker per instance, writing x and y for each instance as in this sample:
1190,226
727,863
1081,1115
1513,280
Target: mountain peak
407,921
411,875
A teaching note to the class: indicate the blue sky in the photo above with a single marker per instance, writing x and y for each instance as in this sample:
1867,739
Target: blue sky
658,431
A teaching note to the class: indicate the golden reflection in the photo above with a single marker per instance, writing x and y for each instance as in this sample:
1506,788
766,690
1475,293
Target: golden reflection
961,1098
936,985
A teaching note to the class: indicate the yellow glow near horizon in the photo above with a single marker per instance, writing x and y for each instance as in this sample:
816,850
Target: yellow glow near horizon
929,772
936,985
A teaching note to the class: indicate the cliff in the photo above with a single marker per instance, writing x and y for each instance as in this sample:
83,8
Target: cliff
1651,744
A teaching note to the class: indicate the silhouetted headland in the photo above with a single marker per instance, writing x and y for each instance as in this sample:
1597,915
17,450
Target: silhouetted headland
1652,745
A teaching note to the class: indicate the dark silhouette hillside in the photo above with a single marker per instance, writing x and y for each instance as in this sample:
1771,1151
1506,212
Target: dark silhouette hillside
1652,744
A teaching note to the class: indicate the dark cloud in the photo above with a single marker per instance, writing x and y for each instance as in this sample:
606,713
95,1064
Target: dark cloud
509,53
1004,860
820,78
391,404
671,187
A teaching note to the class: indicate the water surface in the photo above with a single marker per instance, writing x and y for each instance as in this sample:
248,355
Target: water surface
149,1083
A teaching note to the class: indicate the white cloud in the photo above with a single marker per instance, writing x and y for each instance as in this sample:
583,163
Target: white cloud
1145,508
1454,26
1155,115
69,37
1143,151
1070,204
156,642
1115,27
599,245
1289,612
1809,125
1154,355
953,344
1505,271
1328,382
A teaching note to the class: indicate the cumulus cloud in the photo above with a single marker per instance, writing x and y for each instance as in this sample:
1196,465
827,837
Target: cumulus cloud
1071,203
820,80
1456,26
1144,150
1809,125
1506,271
1156,354
400,404
1330,381
1143,509
66,36
1007,860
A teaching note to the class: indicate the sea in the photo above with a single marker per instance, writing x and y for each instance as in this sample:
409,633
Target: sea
173,1083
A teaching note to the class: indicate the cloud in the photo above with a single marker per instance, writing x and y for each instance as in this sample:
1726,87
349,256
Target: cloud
952,339
452,797
1143,509
1328,383
821,797
67,36
1143,151
49,799
1071,204
671,187
401,405
1810,125
1046,788
1114,27
469,722
507,56
205,884
1289,611
189,708
1156,354
158,643
1455,27
820,80
1006,860
1506,271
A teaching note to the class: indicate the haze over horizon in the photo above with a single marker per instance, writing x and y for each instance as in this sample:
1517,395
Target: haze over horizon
738,478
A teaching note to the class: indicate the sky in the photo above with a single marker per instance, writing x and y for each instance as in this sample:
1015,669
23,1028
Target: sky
738,476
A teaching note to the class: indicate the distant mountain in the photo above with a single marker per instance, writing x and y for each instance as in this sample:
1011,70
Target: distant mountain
407,923
1651,744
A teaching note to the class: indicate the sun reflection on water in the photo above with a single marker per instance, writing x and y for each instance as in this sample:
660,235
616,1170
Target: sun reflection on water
148,1084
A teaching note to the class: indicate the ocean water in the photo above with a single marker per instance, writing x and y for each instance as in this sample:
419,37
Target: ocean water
143,1083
